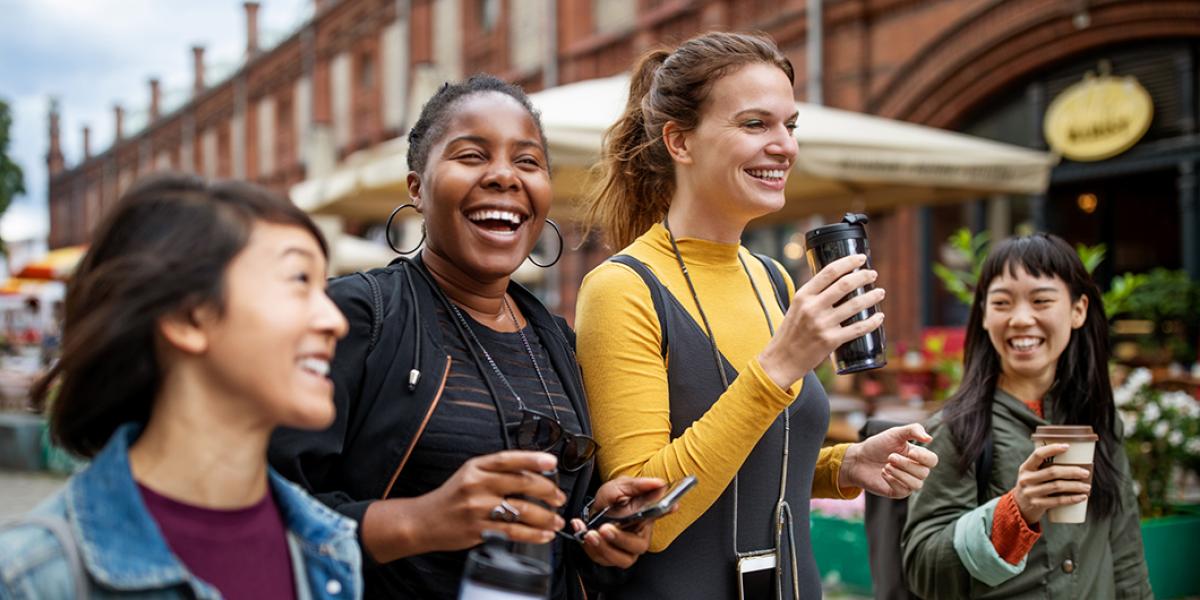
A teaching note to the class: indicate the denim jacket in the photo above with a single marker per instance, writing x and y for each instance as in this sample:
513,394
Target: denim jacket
123,552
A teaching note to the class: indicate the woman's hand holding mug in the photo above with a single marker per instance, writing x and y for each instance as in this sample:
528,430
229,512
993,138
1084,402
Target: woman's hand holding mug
1040,488
498,492
812,327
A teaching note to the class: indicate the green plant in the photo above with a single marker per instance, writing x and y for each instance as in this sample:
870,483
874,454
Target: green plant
1162,436
1091,256
973,250
12,181
1172,301
946,366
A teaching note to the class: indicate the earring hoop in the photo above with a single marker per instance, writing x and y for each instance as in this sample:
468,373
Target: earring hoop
387,230
558,232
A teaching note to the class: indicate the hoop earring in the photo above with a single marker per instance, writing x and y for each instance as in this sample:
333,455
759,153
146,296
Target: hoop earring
560,247
387,230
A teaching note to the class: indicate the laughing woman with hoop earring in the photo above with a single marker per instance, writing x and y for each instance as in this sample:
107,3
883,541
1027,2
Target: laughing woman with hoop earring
456,389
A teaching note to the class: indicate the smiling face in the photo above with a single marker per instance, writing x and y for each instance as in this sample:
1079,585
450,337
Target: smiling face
740,154
485,192
269,350
1029,321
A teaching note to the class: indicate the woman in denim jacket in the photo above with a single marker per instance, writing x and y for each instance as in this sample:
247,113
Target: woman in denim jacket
196,324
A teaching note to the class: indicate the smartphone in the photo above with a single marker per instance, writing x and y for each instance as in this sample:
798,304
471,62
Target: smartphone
756,575
646,507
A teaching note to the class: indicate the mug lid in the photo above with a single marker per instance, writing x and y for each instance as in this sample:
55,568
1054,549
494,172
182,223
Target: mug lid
851,226
1064,433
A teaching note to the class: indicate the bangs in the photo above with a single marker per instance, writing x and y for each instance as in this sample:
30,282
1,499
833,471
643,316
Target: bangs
1040,255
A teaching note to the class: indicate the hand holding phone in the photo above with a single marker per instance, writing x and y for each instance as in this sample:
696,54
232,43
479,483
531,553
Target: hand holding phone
631,514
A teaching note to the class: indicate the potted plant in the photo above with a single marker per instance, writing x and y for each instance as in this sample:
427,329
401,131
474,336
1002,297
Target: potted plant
1162,441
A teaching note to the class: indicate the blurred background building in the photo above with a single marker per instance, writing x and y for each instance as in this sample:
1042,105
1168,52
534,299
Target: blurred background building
322,113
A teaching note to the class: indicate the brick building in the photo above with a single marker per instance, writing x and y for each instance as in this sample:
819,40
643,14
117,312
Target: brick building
356,74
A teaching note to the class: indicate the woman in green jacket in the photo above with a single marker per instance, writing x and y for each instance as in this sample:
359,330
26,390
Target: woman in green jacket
1036,354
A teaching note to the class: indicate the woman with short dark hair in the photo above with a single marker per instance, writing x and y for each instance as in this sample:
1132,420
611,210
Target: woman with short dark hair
456,387
196,323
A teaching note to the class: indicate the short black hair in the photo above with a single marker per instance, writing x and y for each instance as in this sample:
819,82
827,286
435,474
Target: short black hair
431,125
163,248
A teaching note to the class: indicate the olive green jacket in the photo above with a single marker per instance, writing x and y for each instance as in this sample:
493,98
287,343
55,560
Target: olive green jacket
946,544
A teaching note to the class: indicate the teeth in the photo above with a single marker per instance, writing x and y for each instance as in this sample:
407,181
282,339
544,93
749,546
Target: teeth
316,365
495,215
766,173
1024,343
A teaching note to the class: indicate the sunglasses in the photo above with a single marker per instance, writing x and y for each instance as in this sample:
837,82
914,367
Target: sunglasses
542,432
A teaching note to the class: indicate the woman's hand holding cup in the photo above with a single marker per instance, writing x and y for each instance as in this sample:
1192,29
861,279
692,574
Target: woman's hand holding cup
813,328
1040,488
497,492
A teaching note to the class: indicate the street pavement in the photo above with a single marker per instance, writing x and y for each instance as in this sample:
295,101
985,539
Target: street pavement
21,491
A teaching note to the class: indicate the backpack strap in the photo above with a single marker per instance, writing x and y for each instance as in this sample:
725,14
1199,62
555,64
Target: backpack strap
656,292
376,308
777,281
62,532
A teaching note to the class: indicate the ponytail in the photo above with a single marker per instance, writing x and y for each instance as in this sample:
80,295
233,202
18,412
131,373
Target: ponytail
634,178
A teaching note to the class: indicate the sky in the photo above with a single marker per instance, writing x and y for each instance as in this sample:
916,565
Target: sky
91,54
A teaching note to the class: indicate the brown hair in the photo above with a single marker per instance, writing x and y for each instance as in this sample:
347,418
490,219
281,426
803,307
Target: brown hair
636,176
165,247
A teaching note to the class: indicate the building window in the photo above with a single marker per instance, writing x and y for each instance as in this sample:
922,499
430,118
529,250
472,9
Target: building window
366,71
487,14
285,139
614,15
365,98
421,30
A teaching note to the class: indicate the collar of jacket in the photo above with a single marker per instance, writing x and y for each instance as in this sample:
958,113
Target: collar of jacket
1019,412
560,349
123,548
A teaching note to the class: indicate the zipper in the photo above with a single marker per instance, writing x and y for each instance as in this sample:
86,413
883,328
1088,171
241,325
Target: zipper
421,430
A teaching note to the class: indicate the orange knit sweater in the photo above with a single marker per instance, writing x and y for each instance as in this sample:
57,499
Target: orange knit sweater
1012,537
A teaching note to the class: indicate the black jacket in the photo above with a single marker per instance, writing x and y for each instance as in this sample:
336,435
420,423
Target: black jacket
380,417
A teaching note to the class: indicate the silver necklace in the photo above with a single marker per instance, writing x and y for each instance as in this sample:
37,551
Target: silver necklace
496,368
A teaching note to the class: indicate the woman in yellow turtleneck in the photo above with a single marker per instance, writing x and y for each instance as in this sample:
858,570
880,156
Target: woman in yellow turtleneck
704,146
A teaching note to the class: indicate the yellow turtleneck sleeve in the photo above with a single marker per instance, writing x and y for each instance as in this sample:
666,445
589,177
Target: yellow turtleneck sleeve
619,345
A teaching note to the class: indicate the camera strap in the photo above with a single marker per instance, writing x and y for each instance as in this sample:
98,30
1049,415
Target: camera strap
783,511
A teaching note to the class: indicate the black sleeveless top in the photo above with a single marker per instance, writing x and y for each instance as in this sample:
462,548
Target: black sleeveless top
700,563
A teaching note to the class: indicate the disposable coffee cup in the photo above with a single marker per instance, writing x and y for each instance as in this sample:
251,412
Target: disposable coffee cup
827,244
1081,442
495,573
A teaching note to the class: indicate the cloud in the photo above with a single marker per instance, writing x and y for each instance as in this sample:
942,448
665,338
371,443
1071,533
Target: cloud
95,53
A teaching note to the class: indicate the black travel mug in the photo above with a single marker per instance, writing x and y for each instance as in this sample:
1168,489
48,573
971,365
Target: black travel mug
827,244
494,573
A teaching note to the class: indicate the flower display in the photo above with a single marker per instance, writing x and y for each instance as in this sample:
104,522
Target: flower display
1162,438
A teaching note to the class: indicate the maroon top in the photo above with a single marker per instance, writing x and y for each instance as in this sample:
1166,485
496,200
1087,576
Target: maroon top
241,552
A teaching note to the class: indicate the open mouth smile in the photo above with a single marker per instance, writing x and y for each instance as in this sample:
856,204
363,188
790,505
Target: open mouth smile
771,178
497,221
1025,344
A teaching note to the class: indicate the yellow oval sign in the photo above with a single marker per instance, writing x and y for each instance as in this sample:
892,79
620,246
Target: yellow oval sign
1098,118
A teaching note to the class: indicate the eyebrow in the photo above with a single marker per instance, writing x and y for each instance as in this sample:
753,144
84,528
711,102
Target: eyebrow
764,112
1034,291
298,251
482,141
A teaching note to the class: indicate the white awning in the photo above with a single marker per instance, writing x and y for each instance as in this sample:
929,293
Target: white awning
846,160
